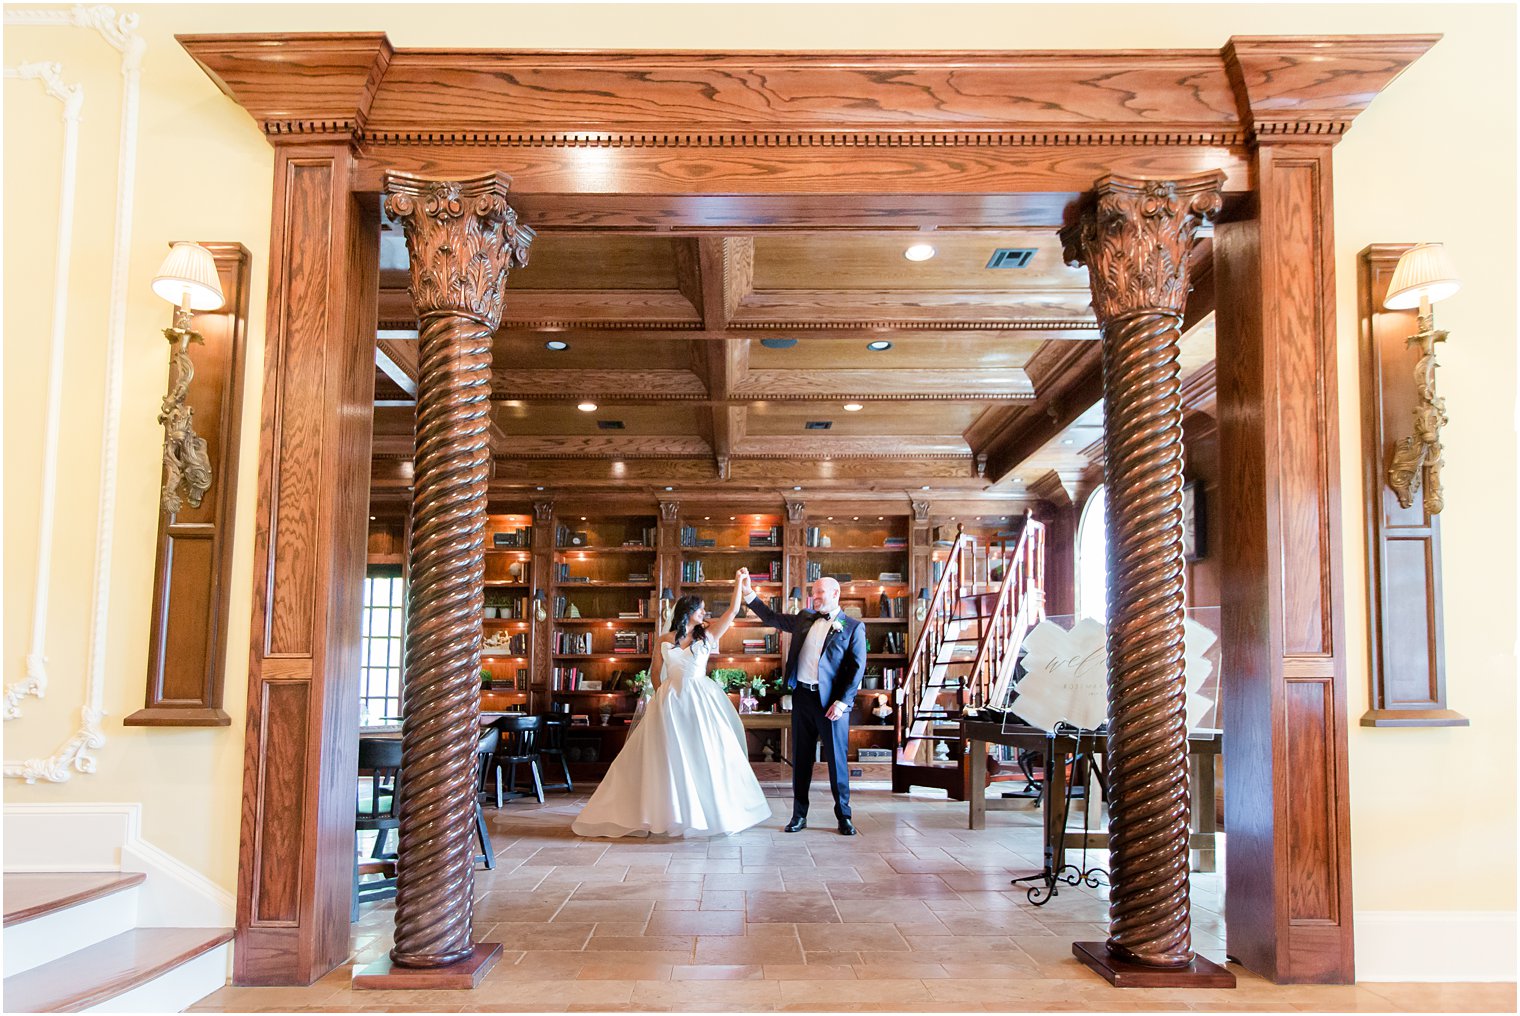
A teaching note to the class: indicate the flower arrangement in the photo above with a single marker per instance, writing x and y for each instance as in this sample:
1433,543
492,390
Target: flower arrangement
730,678
640,683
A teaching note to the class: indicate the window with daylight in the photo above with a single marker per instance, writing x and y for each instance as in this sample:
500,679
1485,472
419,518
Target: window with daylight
1092,559
381,647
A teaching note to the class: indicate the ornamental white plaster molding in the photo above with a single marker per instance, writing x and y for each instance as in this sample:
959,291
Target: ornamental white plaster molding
120,31
50,76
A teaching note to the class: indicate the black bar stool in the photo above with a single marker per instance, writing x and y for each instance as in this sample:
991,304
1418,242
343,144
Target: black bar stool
553,728
519,745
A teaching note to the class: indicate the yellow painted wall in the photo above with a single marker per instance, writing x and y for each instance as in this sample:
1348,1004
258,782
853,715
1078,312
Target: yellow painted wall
1434,158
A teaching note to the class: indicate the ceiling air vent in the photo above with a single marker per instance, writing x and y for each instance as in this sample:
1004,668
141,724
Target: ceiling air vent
610,424
818,425
1011,257
778,343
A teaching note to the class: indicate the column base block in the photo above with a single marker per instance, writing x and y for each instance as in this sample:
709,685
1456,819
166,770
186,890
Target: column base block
1201,973
383,975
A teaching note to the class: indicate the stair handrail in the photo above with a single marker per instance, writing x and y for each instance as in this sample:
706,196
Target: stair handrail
926,645
1021,596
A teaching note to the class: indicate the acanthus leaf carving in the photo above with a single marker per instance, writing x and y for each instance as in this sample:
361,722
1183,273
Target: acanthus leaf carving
1135,238
463,240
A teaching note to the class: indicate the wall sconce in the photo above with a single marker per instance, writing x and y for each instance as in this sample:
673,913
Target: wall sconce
187,279
1423,276
540,610
921,608
794,600
667,608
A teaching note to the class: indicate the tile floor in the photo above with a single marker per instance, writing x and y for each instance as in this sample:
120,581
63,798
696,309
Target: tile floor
914,915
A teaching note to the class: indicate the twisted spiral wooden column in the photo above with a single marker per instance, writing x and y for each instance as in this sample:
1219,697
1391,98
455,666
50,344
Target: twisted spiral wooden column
462,239
1135,240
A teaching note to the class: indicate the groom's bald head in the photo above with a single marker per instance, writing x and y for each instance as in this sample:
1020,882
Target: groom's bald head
825,594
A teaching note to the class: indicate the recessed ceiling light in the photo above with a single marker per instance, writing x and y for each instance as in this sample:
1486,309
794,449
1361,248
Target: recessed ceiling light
924,487
919,252
878,345
372,518
853,407
797,487
587,407
670,488
556,345
538,488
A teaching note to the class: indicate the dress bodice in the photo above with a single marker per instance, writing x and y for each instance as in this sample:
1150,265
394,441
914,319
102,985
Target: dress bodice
688,662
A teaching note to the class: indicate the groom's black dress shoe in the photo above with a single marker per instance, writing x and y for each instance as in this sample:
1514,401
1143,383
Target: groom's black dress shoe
796,825
846,827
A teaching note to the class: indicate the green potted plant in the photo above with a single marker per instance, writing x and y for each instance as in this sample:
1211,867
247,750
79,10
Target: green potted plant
485,678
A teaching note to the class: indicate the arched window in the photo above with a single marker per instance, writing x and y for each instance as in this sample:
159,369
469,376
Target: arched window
1092,559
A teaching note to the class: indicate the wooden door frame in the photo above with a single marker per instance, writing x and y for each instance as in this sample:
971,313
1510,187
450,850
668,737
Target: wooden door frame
685,143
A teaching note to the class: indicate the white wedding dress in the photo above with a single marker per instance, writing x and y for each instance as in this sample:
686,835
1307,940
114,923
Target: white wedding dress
684,770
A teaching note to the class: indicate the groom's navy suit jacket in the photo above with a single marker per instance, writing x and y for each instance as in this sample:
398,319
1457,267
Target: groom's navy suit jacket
842,661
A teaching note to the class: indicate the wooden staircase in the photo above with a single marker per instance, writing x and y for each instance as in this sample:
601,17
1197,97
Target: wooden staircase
73,944
985,602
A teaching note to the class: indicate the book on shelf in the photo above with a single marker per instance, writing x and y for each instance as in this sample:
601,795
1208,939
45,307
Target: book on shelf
773,573
566,678
814,571
646,538
500,643
759,645
770,537
691,573
630,642
691,538
895,542
500,603
572,643
889,576
564,536
893,606
520,538
638,576
892,642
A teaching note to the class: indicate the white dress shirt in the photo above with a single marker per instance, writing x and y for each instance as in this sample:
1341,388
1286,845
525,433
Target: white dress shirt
812,651
812,647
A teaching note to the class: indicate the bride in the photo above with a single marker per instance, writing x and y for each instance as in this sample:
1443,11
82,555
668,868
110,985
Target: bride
684,770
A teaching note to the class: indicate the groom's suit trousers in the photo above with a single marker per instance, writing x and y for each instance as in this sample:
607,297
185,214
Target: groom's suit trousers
811,728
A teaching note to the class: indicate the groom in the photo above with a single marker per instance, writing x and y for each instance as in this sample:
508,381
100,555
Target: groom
823,668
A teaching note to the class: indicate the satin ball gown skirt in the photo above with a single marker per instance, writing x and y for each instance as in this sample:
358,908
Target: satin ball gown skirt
684,770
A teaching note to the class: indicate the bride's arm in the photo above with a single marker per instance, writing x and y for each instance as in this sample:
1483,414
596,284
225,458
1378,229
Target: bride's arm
716,628
657,663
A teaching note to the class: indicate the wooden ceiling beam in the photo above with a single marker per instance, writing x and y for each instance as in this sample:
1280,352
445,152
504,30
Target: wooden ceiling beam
398,361
1068,382
716,273
721,377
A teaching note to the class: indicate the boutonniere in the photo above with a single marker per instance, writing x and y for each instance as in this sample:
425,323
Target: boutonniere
836,626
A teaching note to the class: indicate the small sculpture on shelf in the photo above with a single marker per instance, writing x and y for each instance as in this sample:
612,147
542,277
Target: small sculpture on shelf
767,753
881,710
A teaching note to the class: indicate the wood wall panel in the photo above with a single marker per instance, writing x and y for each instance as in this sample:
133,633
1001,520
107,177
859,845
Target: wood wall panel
1301,309
282,802
1407,664
187,640
1312,896
1286,791
295,855
293,577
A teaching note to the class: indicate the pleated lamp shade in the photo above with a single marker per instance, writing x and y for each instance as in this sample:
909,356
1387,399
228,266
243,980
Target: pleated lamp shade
188,275
1424,270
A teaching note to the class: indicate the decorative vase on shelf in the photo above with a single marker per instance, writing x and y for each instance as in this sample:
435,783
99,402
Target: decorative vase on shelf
748,702
786,703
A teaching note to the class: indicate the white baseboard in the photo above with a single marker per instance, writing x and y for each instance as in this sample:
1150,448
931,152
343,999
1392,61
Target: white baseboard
1435,945
107,837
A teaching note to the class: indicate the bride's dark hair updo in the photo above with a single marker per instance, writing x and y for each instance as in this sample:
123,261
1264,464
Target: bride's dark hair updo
681,613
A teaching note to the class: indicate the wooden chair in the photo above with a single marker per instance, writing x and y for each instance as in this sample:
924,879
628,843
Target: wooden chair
381,758
485,750
519,745
551,746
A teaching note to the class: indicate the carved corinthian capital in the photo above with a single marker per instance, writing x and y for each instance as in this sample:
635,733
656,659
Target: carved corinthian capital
1135,237
463,239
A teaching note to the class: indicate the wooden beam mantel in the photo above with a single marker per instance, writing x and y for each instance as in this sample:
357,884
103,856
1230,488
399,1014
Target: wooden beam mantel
972,123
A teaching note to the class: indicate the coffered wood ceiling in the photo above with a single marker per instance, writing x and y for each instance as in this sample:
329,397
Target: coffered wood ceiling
709,357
